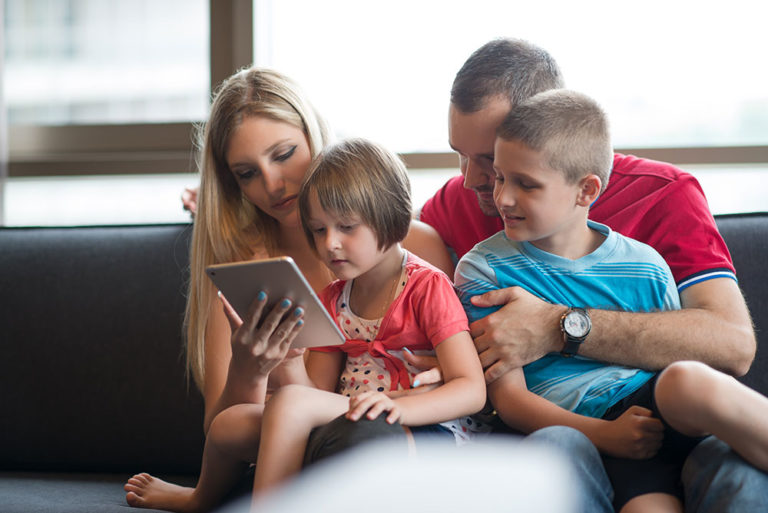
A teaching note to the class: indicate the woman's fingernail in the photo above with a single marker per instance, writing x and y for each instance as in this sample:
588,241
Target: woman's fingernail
286,303
407,350
416,383
262,296
218,293
300,323
299,311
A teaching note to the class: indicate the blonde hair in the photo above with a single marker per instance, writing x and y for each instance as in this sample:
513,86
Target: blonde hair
227,227
569,128
358,177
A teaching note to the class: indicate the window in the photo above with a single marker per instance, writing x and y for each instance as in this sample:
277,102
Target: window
94,62
669,73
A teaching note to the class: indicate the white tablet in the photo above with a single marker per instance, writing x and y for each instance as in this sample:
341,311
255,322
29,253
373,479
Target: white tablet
240,282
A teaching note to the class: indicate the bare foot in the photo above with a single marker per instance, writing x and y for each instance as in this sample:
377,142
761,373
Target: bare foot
145,491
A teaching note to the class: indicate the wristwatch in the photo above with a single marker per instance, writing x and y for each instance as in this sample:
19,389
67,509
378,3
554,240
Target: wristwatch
575,325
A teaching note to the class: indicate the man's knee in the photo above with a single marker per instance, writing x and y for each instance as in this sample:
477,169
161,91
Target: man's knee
341,434
572,441
717,479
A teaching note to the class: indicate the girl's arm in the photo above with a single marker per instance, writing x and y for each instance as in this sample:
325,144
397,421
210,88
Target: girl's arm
462,393
635,434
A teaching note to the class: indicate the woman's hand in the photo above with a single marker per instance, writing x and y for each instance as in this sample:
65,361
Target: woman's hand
635,435
431,373
259,347
372,404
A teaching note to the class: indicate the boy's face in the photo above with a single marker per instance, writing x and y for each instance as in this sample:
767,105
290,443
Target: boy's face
535,201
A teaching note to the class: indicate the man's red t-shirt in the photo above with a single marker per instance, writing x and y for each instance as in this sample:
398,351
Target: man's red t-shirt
653,202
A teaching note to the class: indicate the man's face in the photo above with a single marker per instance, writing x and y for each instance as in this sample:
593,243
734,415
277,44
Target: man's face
472,136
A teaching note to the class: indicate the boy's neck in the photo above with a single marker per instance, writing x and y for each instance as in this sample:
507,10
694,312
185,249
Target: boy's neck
573,243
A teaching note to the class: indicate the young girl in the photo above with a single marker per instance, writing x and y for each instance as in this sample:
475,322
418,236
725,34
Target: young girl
355,209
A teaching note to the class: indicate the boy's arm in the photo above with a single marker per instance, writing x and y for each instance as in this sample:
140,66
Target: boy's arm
635,434
713,327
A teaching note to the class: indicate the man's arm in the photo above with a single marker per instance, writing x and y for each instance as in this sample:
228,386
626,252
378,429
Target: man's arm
713,327
424,241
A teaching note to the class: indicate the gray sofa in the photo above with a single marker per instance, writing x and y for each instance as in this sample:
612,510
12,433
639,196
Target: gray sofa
92,383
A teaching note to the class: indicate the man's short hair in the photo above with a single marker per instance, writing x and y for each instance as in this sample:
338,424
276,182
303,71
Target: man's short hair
509,68
569,128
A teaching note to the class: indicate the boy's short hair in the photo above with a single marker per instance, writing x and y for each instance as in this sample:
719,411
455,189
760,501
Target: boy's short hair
361,178
513,69
568,127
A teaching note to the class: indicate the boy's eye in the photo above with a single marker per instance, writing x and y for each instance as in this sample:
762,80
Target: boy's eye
285,156
348,227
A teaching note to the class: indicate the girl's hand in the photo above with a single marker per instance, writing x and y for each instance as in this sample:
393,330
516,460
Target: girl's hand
635,435
372,404
258,349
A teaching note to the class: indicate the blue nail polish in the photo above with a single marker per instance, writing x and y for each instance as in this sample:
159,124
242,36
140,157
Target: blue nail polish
299,311
262,296
300,323
416,383
286,303
407,350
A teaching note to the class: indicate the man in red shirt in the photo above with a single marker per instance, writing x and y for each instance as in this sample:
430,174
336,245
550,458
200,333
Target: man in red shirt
653,202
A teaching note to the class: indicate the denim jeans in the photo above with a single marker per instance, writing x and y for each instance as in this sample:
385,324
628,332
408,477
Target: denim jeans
717,480
596,490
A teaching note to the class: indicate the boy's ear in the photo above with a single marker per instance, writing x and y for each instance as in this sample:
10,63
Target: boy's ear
589,190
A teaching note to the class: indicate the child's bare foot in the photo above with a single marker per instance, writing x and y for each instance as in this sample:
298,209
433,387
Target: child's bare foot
145,491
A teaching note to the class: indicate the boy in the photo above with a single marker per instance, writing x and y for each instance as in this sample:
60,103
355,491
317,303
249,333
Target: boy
552,159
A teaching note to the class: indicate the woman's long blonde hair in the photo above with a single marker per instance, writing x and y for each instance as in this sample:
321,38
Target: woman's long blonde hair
227,227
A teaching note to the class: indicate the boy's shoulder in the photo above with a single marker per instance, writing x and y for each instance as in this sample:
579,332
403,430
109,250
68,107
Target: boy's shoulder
497,244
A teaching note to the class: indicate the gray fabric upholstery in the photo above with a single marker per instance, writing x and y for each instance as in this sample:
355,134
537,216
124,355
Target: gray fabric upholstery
92,383
747,238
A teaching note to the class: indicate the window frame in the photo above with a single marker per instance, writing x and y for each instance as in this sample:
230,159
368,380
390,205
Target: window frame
40,150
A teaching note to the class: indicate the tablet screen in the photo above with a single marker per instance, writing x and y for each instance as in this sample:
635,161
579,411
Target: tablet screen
240,283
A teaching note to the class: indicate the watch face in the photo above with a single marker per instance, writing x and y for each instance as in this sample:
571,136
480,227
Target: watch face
576,324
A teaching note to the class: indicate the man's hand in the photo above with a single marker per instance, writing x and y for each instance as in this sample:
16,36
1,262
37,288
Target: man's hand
189,200
522,331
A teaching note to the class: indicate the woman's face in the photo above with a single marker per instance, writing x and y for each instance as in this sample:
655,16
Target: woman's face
268,159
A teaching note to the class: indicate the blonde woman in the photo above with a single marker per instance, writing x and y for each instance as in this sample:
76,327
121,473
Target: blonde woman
256,147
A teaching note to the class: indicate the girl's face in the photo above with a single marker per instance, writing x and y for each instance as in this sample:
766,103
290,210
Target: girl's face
269,159
346,245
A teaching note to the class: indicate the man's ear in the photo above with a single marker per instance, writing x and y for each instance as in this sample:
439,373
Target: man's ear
589,190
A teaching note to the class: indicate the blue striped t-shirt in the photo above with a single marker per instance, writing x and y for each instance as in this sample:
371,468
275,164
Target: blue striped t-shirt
622,274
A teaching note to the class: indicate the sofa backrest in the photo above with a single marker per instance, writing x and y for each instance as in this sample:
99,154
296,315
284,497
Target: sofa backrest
91,363
91,359
747,238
